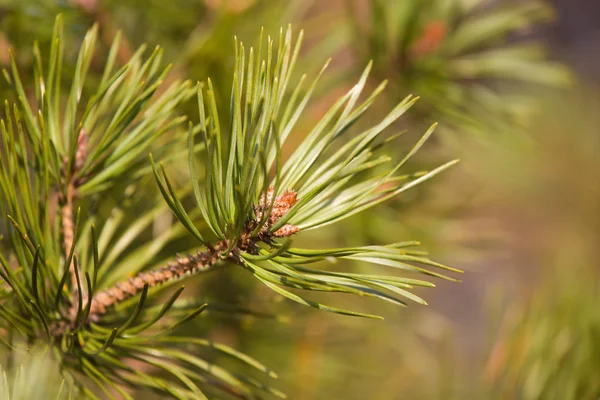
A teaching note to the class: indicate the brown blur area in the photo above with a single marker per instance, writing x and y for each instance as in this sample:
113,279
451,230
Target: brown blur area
520,214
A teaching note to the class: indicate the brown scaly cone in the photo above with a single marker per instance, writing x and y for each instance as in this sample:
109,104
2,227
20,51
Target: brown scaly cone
192,264
281,206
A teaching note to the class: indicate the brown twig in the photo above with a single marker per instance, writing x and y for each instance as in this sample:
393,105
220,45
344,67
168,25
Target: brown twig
68,228
67,204
191,264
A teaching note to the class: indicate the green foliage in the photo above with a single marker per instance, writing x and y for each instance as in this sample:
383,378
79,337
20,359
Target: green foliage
192,34
327,181
31,374
471,61
83,202
549,348
40,159
69,268
544,335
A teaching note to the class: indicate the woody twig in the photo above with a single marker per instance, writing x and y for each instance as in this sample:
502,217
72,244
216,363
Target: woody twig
67,205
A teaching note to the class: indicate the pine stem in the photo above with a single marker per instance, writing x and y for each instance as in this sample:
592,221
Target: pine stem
66,213
191,264
68,229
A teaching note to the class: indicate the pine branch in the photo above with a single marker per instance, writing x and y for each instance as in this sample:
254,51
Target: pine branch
250,204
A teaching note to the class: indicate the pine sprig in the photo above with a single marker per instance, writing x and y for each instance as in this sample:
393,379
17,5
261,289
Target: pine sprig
250,212
89,285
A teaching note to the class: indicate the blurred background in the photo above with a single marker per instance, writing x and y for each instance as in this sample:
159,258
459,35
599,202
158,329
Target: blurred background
514,85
